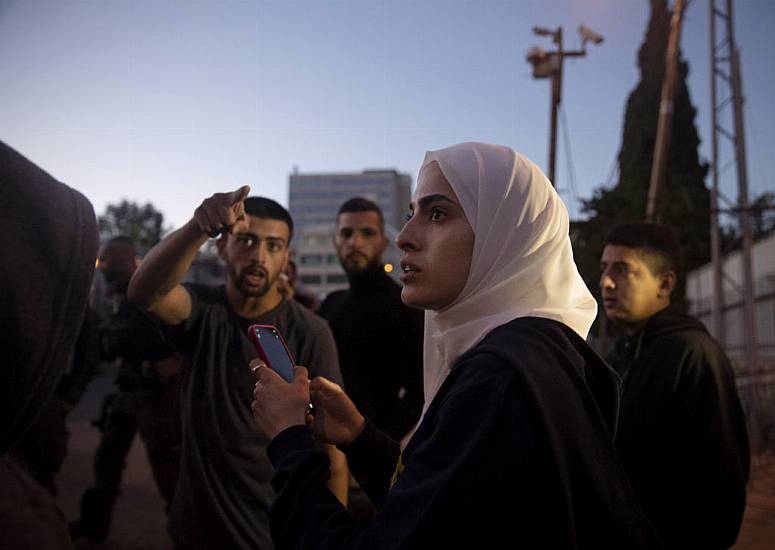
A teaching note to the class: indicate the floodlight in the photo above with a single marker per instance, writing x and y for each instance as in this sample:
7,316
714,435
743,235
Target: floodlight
536,54
588,35
545,64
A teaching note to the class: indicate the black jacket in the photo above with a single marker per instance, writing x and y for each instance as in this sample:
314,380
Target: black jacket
49,242
379,340
682,434
514,451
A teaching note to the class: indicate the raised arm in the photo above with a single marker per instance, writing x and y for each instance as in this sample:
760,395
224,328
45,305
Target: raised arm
155,286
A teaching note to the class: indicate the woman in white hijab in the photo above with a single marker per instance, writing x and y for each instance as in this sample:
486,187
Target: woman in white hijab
515,443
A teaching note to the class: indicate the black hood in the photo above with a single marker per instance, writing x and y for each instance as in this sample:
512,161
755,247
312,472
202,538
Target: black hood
672,319
48,253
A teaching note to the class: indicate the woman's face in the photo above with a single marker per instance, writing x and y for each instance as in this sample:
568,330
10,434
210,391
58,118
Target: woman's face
437,242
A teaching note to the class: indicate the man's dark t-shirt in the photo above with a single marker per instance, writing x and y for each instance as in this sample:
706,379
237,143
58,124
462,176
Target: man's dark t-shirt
223,491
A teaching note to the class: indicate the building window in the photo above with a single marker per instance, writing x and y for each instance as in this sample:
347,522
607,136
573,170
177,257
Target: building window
312,241
336,279
311,259
311,279
332,259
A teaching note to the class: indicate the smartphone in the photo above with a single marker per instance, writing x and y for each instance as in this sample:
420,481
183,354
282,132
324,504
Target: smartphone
272,350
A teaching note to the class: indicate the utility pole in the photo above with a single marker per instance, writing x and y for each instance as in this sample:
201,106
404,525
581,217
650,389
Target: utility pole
662,144
717,311
555,104
549,65
725,66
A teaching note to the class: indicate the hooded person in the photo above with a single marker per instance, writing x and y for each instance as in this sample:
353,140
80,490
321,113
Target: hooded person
515,443
682,433
50,245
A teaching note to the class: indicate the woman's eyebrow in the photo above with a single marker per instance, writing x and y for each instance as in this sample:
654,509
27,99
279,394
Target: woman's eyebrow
428,199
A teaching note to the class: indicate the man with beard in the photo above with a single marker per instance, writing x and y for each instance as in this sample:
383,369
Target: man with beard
145,398
225,490
681,435
379,339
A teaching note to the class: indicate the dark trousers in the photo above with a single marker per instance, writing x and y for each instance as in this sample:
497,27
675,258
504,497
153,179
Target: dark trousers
152,409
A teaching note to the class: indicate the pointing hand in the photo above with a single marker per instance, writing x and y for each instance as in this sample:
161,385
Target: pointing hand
223,212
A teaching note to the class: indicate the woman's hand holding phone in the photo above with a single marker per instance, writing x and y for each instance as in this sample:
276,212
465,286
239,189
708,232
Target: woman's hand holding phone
277,404
281,387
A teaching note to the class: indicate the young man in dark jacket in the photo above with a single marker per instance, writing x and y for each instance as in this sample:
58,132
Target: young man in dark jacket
681,433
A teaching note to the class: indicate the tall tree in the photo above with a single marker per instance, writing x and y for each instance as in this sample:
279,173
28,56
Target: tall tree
763,217
684,201
143,223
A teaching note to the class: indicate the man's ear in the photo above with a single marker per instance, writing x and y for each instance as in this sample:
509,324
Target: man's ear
667,282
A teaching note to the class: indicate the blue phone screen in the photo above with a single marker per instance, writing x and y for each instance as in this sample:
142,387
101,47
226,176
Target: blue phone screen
275,352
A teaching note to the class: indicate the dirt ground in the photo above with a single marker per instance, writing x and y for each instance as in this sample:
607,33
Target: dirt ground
758,532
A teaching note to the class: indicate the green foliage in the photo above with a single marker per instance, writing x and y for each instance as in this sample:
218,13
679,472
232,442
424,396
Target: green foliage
763,215
143,223
762,223
684,201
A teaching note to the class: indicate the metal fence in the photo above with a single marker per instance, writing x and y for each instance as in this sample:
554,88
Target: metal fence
756,383
757,395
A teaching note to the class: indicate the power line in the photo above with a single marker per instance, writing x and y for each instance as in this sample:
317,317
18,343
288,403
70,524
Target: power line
569,157
612,171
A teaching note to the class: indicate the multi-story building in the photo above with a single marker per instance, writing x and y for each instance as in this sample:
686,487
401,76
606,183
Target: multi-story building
314,200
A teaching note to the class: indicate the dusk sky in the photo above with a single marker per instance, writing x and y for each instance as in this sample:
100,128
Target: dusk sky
171,101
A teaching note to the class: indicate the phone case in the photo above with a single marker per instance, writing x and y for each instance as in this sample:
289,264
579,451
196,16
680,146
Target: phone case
252,329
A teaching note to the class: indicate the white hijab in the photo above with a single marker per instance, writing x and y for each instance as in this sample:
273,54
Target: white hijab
522,263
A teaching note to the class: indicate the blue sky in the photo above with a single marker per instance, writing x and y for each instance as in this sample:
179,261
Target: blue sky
171,101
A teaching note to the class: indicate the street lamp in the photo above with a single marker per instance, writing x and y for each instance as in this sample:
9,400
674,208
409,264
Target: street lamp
549,65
